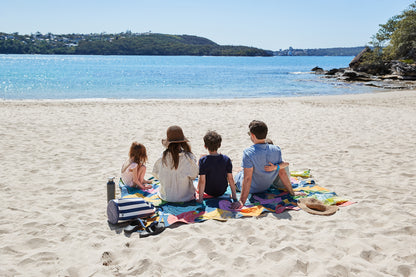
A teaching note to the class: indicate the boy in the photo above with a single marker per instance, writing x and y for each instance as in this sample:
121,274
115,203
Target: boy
215,170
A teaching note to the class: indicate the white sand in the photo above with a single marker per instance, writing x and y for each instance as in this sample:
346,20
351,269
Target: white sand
56,157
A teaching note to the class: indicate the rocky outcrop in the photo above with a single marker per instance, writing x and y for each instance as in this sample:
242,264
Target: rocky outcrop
406,71
359,58
359,64
353,76
335,71
392,74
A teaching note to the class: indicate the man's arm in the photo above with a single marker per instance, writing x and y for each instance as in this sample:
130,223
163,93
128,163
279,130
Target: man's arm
245,188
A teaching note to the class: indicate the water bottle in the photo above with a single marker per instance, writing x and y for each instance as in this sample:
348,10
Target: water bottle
111,189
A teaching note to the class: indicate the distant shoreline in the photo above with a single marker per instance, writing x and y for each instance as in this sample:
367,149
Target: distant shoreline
127,43
321,52
139,44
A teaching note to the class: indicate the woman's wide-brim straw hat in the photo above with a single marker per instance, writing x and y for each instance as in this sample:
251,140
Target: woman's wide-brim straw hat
314,206
174,134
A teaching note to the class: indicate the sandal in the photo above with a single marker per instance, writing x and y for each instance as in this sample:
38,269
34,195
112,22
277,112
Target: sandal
134,226
156,227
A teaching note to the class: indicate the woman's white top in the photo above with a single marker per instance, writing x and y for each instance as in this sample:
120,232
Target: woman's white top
176,185
127,175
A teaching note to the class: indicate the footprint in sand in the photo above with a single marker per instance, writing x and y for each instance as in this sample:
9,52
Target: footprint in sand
106,258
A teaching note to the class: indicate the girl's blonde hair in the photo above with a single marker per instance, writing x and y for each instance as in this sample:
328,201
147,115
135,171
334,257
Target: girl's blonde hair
138,153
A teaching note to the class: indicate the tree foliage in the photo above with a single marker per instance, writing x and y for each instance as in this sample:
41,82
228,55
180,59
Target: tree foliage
121,44
398,36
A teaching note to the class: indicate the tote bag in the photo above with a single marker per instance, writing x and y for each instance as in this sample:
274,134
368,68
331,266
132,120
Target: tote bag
124,209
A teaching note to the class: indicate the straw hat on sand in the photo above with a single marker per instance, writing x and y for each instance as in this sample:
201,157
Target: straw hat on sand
314,206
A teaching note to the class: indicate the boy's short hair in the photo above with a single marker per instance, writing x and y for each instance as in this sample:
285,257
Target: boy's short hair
212,141
258,128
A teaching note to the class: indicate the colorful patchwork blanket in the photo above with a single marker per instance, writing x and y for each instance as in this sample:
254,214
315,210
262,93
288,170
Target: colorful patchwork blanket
272,200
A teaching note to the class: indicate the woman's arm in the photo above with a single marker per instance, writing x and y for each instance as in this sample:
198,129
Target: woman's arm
193,169
156,168
272,167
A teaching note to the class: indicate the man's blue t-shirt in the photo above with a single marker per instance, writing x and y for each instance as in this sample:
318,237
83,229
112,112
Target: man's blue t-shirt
215,169
257,156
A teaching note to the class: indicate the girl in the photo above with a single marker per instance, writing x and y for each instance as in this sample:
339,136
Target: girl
176,168
133,170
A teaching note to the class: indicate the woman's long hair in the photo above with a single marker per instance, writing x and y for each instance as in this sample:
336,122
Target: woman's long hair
174,149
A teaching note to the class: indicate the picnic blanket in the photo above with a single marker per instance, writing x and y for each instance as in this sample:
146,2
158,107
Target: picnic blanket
273,200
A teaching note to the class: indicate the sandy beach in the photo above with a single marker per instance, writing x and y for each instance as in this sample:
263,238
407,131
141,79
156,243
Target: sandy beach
56,157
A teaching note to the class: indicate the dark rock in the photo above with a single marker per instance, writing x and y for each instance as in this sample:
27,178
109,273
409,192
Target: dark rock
409,78
389,85
350,75
391,77
372,85
359,58
402,69
363,79
335,71
318,70
374,68
381,74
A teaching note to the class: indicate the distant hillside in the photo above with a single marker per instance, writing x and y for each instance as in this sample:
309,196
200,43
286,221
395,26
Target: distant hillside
340,51
120,44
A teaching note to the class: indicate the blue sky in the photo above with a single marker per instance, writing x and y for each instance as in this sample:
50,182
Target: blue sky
265,24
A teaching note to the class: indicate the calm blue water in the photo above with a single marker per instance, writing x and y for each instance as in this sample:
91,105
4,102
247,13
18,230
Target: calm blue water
148,77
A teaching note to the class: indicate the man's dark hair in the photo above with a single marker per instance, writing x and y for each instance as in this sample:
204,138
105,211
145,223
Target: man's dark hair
258,128
212,141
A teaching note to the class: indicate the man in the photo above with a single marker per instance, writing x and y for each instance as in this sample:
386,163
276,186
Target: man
260,165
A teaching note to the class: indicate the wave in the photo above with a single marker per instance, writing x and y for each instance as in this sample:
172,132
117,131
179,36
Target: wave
300,72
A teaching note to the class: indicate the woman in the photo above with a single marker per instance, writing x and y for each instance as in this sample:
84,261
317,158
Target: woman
176,168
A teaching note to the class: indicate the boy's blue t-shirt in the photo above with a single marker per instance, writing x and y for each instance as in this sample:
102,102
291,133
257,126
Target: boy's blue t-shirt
257,156
215,169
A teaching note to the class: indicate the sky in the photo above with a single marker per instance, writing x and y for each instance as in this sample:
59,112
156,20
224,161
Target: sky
266,24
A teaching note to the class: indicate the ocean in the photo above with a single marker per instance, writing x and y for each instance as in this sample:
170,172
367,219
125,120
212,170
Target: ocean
167,77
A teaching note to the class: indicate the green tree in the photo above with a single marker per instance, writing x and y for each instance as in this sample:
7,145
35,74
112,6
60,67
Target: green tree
403,39
386,30
398,36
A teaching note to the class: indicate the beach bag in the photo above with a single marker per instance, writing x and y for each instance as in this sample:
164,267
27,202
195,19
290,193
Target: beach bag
124,209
